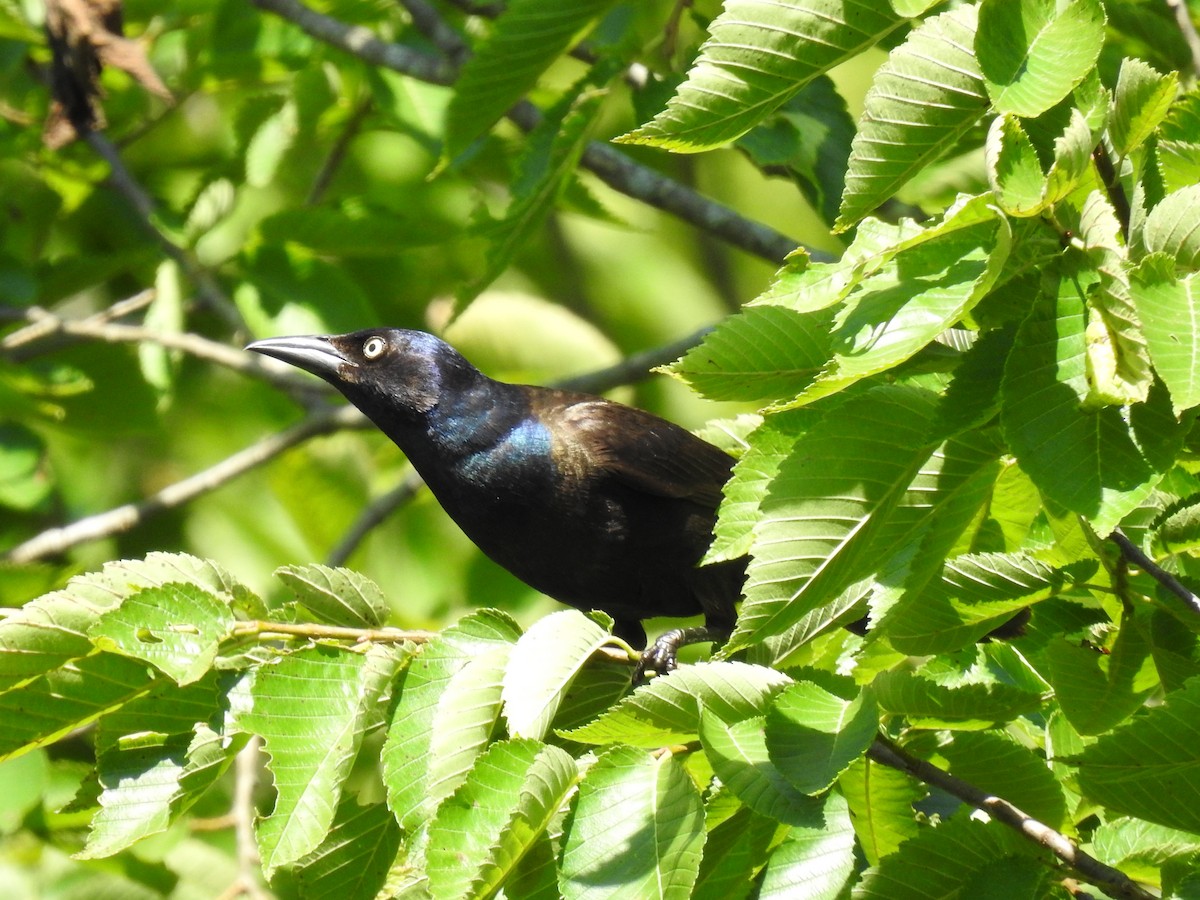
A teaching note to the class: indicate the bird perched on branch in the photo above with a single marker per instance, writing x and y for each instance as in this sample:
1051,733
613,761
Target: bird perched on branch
596,504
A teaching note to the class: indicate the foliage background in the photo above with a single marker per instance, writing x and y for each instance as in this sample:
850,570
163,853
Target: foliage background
287,186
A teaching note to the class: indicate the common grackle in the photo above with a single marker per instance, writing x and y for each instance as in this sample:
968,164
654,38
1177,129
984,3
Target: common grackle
597,504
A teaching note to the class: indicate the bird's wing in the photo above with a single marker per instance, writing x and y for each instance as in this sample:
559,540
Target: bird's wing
648,453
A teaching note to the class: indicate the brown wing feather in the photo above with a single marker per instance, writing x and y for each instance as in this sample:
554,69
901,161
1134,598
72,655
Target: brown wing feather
651,454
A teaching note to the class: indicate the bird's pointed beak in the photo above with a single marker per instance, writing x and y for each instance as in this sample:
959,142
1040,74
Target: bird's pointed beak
312,353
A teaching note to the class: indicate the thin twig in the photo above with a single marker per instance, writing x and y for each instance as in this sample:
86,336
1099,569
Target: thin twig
1183,17
632,368
611,166
21,345
127,186
314,631
246,773
337,154
123,518
375,513
1113,881
1131,552
43,324
362,42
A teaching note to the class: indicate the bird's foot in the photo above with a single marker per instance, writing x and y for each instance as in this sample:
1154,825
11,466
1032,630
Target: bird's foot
661,657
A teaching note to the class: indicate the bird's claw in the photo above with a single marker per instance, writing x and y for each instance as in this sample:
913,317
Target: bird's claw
660,657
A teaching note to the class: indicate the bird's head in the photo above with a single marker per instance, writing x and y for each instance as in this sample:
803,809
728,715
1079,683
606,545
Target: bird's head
388,368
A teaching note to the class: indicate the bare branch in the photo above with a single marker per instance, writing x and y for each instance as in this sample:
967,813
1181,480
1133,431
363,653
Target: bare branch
373,515
614,168
1113,881
248,767
1133,554
123,518
46,325
362,42
1183,17
338,152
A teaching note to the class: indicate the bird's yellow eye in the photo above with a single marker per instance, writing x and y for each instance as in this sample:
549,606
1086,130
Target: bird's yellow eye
373,347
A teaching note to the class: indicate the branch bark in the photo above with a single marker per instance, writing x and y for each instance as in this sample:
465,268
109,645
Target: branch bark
614,168
123,518
1112,881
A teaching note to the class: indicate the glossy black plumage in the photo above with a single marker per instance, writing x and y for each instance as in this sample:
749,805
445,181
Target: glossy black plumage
597,504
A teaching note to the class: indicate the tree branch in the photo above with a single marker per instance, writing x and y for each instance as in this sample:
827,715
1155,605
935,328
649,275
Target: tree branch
123,518
614,168
24,344
1113,881
1183,17
1133,554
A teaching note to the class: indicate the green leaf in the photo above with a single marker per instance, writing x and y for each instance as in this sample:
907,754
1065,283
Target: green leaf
311,709
738,754
995,762
1141,101
25,482
1014,169
352,861
353,230
546,168
881,806
1173,227
1097,690
526,38
1139,848
1118,363
637,822
155,757
337,596
1095,462
667,710
1148,767
68,697
542,668
1034,52
446,708
177,628
266,149
808,139
483,829
287,290
758,55
929,282
764,353
976,592
808,547
1168,308
53,629
813,735
159,364
946,861
971,706
816,859
733,852
746,487
922,101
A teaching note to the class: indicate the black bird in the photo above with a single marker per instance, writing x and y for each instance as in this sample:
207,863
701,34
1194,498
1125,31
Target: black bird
594,503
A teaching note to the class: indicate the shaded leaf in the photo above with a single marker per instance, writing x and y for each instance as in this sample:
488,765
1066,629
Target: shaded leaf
637,822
